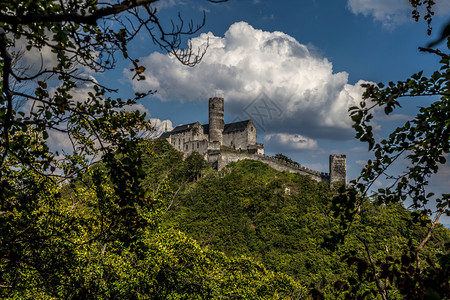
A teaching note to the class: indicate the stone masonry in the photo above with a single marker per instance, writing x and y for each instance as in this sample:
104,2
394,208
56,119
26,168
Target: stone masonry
222,144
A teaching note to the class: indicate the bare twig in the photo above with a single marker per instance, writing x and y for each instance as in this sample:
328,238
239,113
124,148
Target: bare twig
174,195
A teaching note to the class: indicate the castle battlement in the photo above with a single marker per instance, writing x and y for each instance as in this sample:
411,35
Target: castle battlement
294,165
222,144
338,155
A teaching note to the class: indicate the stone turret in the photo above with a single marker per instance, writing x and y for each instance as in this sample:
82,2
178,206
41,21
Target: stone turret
338,168
216,122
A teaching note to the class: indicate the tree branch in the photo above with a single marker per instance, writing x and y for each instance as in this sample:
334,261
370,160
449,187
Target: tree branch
427,237
75,17
435,51
7,61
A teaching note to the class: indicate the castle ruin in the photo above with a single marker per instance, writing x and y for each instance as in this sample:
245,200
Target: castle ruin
222,144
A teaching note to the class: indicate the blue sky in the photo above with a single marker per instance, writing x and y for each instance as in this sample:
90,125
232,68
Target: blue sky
306,59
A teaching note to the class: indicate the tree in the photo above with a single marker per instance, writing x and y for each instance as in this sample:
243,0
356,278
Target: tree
73,246
423,143
193,166
285,158
74,229
80,36
80,240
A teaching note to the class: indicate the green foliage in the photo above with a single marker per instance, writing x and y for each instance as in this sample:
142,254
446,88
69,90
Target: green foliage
71,229
194,165
43,236
83,37
88,240
285,221
96,245
422,144
285,158
423,141
254,169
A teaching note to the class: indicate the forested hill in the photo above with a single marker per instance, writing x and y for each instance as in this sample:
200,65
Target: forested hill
152,225
148,224
285,220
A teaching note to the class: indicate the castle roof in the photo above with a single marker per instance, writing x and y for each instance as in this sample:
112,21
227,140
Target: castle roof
182,128
165,135
178,129
235,127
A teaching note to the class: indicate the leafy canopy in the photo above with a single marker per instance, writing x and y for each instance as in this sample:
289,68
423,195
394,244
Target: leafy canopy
422,144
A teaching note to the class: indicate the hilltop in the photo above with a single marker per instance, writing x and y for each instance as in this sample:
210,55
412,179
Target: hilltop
247,231
285,221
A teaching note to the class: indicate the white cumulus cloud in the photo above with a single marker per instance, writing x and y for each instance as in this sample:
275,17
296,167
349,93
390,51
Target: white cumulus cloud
160,126
386,11
253,68
390,12
290,141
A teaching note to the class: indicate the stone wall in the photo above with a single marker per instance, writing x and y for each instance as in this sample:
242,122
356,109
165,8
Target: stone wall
241,140
213,157
338,168
236,140
195,133
225,158
191,137
195,146
251,133
177,140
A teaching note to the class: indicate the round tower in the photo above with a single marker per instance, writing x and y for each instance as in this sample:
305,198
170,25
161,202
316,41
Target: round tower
216,123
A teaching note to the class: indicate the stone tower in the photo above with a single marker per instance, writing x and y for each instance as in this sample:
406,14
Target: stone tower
216,123
338,168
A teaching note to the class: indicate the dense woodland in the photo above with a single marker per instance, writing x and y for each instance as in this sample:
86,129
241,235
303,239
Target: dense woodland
123,217
247,232
285,221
